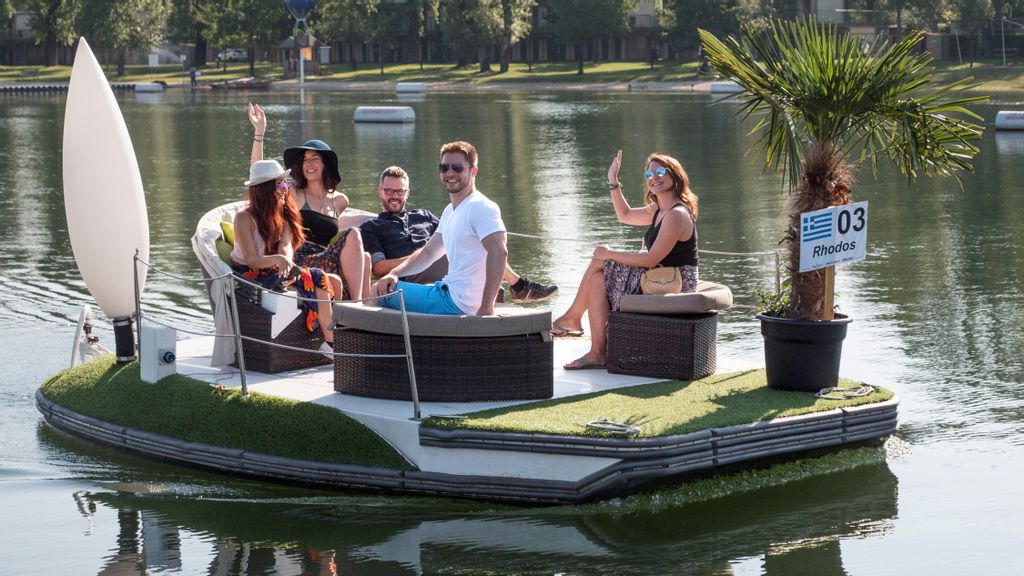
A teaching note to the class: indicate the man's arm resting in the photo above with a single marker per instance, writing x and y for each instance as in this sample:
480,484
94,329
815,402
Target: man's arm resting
497,257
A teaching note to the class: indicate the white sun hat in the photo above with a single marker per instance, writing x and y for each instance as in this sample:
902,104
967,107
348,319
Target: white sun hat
263,171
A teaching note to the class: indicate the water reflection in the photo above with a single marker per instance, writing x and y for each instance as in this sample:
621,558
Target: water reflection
797,527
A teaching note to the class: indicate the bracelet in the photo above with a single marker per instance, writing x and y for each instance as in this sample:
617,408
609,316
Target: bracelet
260,139
615,186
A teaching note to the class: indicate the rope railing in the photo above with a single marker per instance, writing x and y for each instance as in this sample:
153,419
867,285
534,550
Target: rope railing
232,294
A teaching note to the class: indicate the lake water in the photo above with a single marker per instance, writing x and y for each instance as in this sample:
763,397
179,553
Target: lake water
937,305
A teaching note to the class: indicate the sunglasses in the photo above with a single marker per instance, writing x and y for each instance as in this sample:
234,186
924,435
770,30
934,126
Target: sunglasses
394,191
283,186
659,172
456,167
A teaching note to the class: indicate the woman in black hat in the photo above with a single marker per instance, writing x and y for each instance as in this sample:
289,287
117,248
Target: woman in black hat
314,169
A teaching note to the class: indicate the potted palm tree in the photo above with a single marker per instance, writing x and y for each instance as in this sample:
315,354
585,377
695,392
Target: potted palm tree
824,103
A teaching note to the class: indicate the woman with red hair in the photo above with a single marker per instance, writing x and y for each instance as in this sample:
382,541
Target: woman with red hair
267,232
669,212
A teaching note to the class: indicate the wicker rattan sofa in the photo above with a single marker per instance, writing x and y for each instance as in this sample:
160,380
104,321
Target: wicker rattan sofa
263,315
672,336
508,356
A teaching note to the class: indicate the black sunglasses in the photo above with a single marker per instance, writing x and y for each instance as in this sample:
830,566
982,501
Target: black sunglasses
456,167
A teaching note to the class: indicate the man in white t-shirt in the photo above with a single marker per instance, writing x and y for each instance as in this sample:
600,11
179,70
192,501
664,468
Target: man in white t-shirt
472,235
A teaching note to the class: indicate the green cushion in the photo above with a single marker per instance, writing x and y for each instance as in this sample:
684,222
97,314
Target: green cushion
228,230
224,251
338,236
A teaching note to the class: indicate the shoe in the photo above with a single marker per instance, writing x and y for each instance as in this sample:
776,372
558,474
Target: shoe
559,331
584,364
327,350
531,291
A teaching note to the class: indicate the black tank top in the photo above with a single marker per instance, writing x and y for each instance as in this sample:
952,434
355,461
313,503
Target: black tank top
684,253
320,228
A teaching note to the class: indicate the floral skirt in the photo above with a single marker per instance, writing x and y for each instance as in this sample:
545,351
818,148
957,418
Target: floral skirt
327,259
622,279
309,280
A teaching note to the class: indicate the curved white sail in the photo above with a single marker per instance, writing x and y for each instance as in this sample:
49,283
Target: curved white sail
103,196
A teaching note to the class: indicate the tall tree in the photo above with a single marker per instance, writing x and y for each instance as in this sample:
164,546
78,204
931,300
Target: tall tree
579,22
122,24
472,28
716,16
973,17
53,25
7,33
349,21
515,25
187,24
423,11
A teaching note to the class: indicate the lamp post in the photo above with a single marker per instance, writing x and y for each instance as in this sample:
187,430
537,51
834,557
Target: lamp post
300,10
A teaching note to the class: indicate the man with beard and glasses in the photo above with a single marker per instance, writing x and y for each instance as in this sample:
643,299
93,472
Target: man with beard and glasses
397,232
472,236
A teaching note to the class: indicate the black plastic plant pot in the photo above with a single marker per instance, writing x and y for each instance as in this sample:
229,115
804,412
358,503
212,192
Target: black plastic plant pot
802,355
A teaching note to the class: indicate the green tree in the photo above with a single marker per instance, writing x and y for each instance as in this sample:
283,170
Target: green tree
515,25
349,21
53,25
579,22
423,11
820,100
717,16
187,24
973,17
471,29
122,24
6,34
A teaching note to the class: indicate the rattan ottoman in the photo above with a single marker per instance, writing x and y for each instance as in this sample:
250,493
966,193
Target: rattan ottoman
457,358
673,336
255,321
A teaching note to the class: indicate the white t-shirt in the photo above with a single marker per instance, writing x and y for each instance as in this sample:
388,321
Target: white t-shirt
463,229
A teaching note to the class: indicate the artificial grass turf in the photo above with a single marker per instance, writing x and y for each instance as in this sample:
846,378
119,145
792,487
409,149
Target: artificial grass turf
659,409
187,409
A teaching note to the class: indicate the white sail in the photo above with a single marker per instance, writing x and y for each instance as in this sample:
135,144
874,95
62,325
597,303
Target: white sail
103,196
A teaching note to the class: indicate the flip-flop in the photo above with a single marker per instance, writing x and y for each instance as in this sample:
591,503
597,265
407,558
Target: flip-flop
565,332
584,364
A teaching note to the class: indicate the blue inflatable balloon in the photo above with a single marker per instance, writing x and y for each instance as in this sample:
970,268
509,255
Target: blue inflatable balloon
300,9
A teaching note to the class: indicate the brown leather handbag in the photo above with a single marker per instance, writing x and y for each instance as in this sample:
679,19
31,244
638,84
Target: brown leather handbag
661,280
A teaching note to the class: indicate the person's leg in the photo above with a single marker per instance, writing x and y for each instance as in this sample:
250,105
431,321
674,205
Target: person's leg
598,310
367,272
510,275
572,319
351,262
422,298
324,314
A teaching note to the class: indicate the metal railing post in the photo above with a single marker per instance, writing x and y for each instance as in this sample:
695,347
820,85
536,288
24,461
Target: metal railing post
238,336
408,358
138,304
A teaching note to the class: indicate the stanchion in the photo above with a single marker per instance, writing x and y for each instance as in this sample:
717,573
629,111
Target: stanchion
238,336
408,358
138,303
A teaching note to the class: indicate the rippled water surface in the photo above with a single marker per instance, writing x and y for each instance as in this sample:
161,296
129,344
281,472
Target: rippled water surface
937,308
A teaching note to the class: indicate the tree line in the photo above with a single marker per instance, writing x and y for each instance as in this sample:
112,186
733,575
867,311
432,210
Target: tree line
470,30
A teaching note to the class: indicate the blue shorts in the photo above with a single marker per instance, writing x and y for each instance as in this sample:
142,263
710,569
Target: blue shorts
423,298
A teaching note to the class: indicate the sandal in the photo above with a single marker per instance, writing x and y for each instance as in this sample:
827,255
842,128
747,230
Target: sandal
560,331
584,364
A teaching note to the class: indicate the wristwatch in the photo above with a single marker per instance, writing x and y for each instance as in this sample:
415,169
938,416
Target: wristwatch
615,186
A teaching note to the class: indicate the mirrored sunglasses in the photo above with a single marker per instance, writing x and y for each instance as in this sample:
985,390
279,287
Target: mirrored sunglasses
456,167
659,172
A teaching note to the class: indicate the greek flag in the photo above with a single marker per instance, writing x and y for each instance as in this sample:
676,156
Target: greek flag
816,226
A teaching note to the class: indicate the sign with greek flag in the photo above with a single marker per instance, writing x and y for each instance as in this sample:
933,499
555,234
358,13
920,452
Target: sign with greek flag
833,236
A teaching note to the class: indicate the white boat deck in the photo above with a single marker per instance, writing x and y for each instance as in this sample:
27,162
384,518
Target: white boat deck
393,419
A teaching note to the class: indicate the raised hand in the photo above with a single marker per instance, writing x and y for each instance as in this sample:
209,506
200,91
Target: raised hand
613,170
258,119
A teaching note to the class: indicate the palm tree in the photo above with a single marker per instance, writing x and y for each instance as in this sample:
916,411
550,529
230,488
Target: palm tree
822,97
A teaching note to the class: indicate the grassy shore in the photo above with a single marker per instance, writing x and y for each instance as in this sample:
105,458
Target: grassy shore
999,80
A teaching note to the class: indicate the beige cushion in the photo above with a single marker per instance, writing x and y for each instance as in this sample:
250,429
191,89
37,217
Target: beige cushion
709,297
508,321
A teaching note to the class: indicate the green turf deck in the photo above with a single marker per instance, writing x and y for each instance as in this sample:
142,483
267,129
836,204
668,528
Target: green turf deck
187,409
659,409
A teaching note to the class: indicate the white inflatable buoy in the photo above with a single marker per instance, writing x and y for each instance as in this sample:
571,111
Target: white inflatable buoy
397,114
725,87
103,197
149,87
410,88
1010,120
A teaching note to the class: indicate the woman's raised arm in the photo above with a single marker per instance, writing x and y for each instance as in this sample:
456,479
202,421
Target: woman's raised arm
259,130
625,214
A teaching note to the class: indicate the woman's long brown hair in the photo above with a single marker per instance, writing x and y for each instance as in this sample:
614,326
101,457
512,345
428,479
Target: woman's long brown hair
680,182
271,217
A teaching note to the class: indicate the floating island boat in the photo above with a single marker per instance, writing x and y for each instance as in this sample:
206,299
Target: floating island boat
466,407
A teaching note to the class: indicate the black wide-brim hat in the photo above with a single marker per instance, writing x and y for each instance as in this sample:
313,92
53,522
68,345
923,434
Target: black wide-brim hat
293,158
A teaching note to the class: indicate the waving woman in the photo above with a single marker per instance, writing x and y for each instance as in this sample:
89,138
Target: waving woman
669,212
